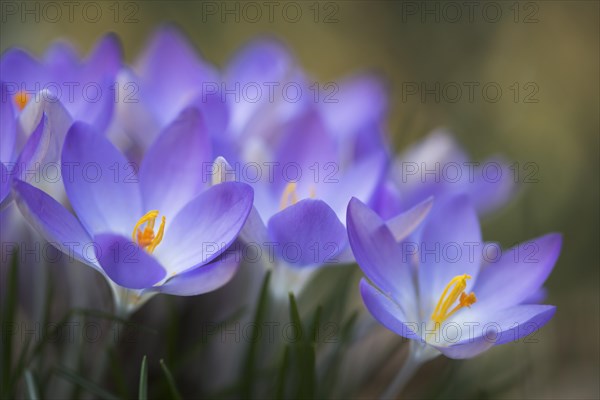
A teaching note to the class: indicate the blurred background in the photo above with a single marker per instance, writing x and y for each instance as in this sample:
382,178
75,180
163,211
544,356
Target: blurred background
544,56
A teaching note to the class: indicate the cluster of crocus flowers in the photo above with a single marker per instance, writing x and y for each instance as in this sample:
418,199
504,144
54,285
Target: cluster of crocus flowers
151,222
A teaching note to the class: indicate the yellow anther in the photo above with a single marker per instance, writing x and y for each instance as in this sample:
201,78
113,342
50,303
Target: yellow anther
145,238
21,99
289,196
454,290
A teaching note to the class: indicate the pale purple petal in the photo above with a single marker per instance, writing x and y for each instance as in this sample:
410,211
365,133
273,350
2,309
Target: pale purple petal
386,201
468,348
126,263
388,313
58,121
8,131
493,186
501,326
100,71
254,230
450,245
260,63
20,71
171,173
206,278
55,223
360,101
5,182
519,273
404,224
205,227
100,183
172,73
336,189
308,233
380,257
306,145
34,151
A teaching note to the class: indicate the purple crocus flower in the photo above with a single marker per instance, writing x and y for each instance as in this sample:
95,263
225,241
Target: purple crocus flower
447,290
437,166
157,230
166,78
86,89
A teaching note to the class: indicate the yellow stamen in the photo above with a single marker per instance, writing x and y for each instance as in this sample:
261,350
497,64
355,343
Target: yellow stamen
455,290
289,196
21,99
145,238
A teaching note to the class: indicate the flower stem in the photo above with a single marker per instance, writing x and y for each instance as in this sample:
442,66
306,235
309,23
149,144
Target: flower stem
417,356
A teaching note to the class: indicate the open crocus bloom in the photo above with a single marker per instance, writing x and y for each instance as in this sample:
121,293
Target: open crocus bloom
157,231
445,290
85,88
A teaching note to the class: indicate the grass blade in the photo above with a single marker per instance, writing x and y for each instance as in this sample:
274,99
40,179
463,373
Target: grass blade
170,380
8,317
280,390
143,391
304,351
248,370
83,383
32,391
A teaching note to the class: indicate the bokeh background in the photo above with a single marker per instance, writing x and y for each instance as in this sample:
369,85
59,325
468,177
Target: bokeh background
553,45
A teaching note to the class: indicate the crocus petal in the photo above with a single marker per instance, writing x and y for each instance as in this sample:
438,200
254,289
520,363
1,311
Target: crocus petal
386,201
450,245
8,132
518,274
380,257
61,59
55,223
305,144
169,54
494,185
337,188
126,263
501,326
172,171
364,100
260,62
20,71
58,121
308,233
99,183
5,181
204,278
34,151
205,227
404,224
105,59
468,348
254,230
101,69
430,154
387,312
